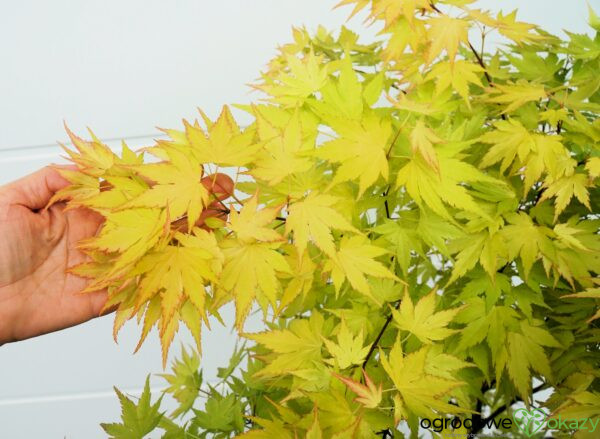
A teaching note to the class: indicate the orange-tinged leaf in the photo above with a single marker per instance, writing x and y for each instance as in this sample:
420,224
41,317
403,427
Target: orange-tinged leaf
446,33
369,395
422,139
94,158
167,332
151,316
314,431
251,269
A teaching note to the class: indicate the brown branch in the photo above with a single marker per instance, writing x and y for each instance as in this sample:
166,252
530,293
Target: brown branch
378,338
478,57
484,421
481,63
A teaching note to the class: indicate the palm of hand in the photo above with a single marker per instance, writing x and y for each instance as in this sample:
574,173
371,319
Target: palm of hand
39,247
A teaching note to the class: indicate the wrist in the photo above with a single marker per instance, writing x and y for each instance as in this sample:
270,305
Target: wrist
9,312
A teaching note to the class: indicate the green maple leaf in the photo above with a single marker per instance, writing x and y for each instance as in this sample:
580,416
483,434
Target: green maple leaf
221,413
137,419
185,381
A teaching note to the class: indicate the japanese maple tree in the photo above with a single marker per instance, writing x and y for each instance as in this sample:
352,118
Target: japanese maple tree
416,218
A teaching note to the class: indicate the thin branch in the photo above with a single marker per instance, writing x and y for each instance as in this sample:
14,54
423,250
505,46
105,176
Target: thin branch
478,57
378,338
481,63
484,421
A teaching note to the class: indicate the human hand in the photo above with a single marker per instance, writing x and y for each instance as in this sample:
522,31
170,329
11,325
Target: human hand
37,246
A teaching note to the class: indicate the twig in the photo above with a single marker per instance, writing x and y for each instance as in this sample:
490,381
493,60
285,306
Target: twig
376,342
478,57
484,421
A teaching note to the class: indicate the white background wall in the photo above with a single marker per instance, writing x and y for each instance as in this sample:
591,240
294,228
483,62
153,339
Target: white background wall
124,67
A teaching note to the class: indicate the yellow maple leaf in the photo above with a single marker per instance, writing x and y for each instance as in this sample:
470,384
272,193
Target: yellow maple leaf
422,139
313,218
592,165
348,350
564,189
518,31
304,77
177,186
355,259
433,189
250,272
296,348
250,223
515,95
422,320
223,143
180,271
509,139
458,75
301,281
361,149
525,238
131,233
280,158
446,33
418,392
94,158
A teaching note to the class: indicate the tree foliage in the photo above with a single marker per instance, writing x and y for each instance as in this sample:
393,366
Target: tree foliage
416,218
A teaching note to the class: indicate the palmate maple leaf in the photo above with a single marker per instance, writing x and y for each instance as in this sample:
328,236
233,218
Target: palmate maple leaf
564,189
280,155
295,348
361,150
305,77
422,320
354,260
251,258
446,33
515,95
418,392
313,218
348,350
422,139
363,135
458,75
137,419
369,394
130,233
223,143
433,189
177,273
177,185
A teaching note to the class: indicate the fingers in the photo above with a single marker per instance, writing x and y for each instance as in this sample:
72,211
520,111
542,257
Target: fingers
221,185
35,190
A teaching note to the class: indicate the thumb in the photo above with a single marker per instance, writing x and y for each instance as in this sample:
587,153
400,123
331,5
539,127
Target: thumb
35,190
